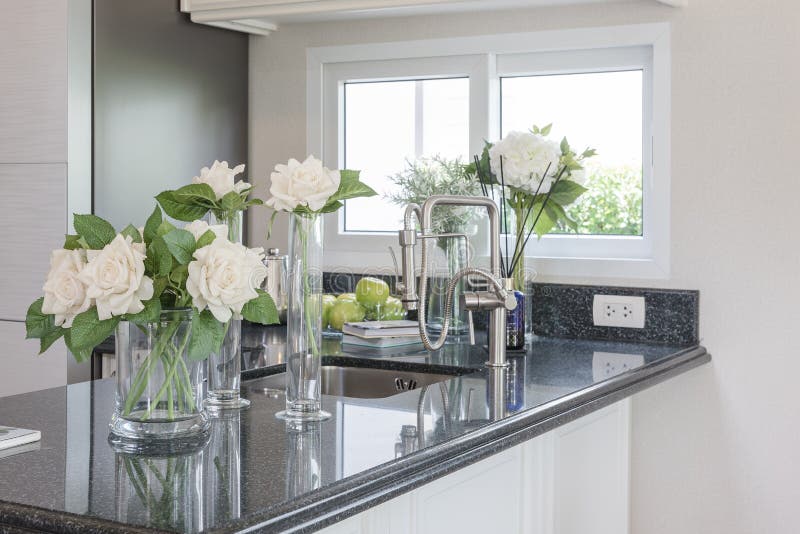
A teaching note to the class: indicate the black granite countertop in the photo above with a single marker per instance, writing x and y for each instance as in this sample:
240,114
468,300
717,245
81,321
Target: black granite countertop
257,472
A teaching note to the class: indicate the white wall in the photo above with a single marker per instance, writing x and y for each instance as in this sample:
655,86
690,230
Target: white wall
715,450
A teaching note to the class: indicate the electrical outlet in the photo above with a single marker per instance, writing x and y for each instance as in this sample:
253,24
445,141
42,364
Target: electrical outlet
618,310
608,364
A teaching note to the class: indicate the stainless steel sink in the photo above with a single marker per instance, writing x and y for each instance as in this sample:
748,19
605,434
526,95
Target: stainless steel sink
363,382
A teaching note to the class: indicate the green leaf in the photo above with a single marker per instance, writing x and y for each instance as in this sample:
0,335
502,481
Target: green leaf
546,130
164,228
564,146
37,323
152,224
546,220
48,339
72,242
207,335
160,283
150,314
261,309
351,187
198,194
566,192
176,209
81,354
160,256
232,201
254,202
88,330
181,245
206,239
132,232
97,232
331,207
179,275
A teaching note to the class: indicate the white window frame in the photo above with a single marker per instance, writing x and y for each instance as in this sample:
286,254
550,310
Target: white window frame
485,59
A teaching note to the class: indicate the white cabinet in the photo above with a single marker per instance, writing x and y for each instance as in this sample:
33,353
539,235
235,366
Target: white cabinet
22,369
572,480
33,81
33,206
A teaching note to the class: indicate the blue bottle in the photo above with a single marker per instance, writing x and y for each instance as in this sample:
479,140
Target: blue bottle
515,321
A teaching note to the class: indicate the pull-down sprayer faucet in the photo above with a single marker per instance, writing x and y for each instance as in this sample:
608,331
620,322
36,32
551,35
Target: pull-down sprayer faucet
498,300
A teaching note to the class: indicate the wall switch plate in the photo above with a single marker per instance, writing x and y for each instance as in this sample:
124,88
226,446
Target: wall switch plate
618,310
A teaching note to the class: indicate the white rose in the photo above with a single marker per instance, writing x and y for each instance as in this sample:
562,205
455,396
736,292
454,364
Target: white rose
578,176
525,160
115,278
64,294
307,184
225,276
200,227
221,179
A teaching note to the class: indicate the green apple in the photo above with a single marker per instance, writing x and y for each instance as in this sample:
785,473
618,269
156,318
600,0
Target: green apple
392,310
371,292
346,296
327,304
345,311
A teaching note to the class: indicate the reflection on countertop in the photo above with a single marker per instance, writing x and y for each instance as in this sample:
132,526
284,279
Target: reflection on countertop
257,470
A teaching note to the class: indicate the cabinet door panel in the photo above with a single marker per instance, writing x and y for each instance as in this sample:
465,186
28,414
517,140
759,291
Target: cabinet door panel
484,497
33,217
590,473
23,370
33,81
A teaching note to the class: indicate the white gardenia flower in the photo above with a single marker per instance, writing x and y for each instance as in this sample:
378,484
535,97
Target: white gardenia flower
225,276
114,278
221,178
199,227
64,294
525,159
302,184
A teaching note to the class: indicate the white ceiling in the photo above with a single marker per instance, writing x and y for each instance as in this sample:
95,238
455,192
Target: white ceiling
264,16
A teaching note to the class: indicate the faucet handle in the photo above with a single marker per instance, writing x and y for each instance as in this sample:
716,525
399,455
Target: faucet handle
487,300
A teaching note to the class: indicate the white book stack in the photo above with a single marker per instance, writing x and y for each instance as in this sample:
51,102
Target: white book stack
381,334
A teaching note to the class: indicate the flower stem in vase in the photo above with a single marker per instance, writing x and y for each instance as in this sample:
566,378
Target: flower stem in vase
304,320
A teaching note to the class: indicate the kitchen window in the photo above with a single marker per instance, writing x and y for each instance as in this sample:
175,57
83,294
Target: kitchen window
375,107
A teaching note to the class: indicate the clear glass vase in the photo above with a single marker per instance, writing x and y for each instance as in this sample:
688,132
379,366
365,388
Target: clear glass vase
225,366
160,390
160,491
231,219
304,320
225,370
449,258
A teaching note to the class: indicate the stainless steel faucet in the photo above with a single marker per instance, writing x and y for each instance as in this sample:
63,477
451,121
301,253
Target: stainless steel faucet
498,300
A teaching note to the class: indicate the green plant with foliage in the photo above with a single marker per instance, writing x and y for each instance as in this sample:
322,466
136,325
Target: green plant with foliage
612,205
436,175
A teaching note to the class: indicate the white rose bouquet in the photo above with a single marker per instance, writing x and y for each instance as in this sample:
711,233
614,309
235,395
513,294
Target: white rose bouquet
102,277
536,178
215,192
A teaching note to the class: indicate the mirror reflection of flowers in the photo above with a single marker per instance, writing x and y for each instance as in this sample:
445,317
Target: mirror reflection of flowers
535,177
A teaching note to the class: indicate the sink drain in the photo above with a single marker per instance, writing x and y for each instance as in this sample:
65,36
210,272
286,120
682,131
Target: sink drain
405,385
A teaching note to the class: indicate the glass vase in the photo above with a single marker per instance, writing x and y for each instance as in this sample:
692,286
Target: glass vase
451,258
159,397
304,320
231,219
225,370
225,366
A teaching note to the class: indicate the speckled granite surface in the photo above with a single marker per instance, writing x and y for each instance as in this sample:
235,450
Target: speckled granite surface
561,310
254,471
